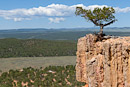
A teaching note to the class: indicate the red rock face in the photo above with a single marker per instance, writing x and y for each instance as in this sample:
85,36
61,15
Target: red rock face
104,63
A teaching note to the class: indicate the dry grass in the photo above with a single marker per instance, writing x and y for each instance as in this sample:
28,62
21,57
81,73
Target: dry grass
35,62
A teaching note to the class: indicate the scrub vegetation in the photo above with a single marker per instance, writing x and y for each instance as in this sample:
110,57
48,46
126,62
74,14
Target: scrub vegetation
52,76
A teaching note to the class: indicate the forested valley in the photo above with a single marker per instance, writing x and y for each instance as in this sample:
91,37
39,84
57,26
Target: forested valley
11,47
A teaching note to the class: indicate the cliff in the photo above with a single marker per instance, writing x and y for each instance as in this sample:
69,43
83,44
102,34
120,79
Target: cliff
103,63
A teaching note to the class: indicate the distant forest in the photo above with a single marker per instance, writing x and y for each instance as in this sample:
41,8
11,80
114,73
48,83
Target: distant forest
36,48
59,34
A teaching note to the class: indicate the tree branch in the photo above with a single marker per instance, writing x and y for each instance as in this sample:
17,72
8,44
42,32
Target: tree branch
95,22
109,23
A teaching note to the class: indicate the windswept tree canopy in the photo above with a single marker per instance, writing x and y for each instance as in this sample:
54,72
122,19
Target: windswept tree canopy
99,16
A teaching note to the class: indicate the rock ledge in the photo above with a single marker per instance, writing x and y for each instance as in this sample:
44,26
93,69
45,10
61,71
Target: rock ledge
104,63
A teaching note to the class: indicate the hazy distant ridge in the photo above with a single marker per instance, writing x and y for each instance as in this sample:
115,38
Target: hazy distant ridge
60,34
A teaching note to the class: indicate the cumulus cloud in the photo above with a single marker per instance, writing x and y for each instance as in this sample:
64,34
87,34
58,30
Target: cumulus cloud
123,10
53,10
56,20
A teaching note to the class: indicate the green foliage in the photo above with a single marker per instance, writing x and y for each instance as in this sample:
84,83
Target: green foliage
98,16
52,76
35,48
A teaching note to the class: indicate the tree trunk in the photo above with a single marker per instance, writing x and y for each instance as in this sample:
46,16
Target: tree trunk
101,30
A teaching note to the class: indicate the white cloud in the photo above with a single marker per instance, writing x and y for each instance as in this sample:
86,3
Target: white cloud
56,20
123,10
53,10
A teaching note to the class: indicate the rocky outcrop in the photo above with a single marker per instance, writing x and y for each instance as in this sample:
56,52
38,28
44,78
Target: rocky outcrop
103,63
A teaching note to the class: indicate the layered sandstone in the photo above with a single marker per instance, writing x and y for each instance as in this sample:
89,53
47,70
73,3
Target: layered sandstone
103,63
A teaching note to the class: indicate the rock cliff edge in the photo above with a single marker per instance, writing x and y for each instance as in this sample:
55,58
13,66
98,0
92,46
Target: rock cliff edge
103,63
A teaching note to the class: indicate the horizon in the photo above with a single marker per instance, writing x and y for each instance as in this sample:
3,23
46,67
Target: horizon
67,28
56,14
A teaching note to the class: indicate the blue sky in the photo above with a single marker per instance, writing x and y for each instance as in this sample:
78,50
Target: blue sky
15,14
